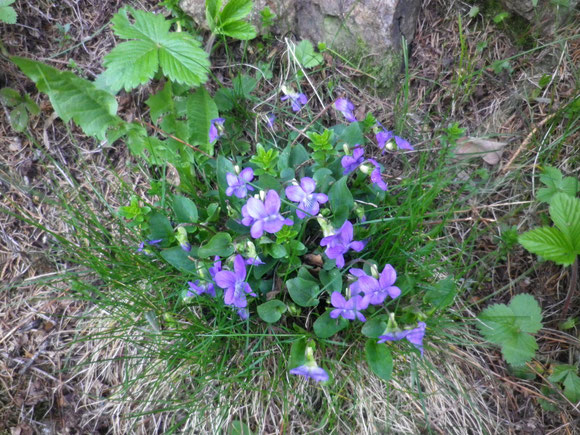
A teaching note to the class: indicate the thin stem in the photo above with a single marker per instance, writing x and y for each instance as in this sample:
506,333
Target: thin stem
571,288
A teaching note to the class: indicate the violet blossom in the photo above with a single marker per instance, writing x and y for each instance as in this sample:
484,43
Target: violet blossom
348,309
234,284
340,242
385,136
238,184
264,216
215,127
376,289
350,163
312,371
217,266
414,336
305,196
197,289
346,108
376,176
148,242
297,100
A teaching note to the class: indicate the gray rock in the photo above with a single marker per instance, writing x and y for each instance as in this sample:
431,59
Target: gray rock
367,32
547,14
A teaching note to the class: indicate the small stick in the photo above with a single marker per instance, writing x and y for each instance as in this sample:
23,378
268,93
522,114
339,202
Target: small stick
526,142
158,130
303,131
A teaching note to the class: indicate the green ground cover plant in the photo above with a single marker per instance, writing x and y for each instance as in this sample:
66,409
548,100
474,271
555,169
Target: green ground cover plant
275,242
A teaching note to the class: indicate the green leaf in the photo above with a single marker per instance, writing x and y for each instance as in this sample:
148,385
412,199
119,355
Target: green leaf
442,294
325,326
73,98
375,327
238,427
161,102
341,200
7,12
220,244
133,63
352,135
224,99
244,85
238,30
550,243
331,280
201,109
519,349
303,290
379,358
552,177
509,327
235,10
178,258
160,227
19,118
129,65
185,209
306,55
297,353
10,97
271,311
527,313
566,374
565,212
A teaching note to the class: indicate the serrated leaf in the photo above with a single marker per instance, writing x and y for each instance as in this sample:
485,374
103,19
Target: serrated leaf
7,12
224,99
550,243
220,244
325,326
235,10
497,323
271,311
73,98
201,109
185,209
306,55
379,358
527,313
519,349
133,63
561,371
129,65
565,212
572,388
238,30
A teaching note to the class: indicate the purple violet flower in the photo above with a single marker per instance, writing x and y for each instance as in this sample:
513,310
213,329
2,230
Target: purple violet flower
350,163
243,313
270,118
376,177
215,127
264,216
414,336
376,289
340,242
346,108
298,100
217,266
348,309
148,242
238,184
311,371
305,196
254,261
197,289
234,284
384,136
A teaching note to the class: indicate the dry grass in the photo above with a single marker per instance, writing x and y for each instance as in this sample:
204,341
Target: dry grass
62,381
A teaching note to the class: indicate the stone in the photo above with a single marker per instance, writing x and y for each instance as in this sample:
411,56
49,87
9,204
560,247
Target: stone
367,32
547,14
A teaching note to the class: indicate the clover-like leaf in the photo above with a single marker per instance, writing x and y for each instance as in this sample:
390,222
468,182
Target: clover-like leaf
556,183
